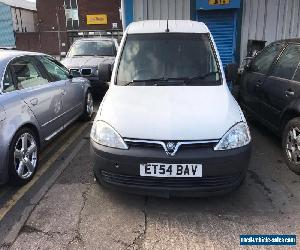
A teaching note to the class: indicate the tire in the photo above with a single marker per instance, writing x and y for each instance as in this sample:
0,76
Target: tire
23,157
88,107
291,144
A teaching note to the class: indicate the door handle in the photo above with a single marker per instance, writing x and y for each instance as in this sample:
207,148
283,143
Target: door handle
34,101
259,83
63,91
289,92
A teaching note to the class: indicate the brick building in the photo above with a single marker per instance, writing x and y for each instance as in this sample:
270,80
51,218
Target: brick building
61,21
16,16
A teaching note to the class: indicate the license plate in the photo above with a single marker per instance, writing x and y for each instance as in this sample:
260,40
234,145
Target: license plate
171,170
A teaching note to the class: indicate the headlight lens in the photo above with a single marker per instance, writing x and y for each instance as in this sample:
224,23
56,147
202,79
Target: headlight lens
237,136
104,134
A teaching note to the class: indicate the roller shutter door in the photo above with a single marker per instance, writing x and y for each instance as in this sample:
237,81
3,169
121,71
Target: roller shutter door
222,24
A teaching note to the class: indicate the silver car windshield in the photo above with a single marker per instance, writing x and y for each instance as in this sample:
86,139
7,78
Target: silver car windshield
92,48
168,59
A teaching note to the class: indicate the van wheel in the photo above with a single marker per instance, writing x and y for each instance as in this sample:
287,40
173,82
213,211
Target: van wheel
88,107
23,157
291,144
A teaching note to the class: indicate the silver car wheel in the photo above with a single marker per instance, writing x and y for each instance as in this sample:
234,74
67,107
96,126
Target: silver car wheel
25,156
89,104
293,145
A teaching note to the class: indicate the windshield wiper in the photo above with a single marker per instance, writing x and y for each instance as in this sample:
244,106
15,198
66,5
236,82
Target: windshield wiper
202,77
161,81
145,80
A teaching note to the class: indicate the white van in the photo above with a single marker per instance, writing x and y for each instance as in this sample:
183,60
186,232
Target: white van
168,124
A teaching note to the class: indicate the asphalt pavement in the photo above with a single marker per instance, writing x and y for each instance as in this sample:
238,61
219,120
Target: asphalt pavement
75,212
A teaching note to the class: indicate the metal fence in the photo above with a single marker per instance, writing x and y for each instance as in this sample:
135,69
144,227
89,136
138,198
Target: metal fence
58,42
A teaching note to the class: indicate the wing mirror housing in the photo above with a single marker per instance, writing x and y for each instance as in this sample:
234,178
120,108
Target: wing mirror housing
247,63
231,72
105,71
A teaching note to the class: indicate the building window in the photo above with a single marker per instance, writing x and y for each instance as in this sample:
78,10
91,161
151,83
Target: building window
71,12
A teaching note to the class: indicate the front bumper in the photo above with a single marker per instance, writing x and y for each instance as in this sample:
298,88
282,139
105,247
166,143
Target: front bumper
223,171
96,83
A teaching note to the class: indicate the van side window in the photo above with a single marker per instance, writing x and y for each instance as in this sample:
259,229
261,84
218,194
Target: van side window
288,62
265,59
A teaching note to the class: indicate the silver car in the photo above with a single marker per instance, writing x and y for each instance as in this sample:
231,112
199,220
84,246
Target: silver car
38,99
88,55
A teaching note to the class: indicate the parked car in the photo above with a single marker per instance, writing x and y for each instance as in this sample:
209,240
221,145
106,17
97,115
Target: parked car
168,124
270,91
87,55
38,99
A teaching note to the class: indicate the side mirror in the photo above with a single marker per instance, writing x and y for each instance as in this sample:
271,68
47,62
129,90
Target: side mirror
247,63
231,72
247,67
105,72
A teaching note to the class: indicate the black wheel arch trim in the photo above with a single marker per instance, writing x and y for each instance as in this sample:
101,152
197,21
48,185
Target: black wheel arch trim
290,112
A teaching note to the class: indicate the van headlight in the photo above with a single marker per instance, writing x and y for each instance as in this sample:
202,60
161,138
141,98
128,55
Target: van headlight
102,133
237,136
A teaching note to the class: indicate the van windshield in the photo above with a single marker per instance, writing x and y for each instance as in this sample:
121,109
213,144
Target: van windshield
168,59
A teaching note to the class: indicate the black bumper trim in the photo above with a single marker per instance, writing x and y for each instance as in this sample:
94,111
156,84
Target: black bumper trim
119,169
172,182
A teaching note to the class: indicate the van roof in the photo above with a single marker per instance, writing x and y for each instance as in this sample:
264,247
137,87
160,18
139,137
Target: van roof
160,26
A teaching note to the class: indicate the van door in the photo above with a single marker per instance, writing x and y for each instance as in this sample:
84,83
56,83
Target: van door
282,86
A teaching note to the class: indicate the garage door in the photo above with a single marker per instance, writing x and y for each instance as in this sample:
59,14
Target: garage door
222,24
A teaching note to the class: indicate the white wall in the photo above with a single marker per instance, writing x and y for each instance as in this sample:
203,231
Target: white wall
269,20
23,20
161,9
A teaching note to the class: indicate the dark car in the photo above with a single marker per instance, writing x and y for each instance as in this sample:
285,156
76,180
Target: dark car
87,55
270,91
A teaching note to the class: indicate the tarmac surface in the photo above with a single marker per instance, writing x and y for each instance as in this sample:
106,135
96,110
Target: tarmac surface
75,212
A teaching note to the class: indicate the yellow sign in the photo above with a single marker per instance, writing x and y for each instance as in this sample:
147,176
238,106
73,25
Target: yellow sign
218,2
96,19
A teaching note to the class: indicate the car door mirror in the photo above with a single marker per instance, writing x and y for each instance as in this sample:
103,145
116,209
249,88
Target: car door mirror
105,72
247,67
248,63
231,72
